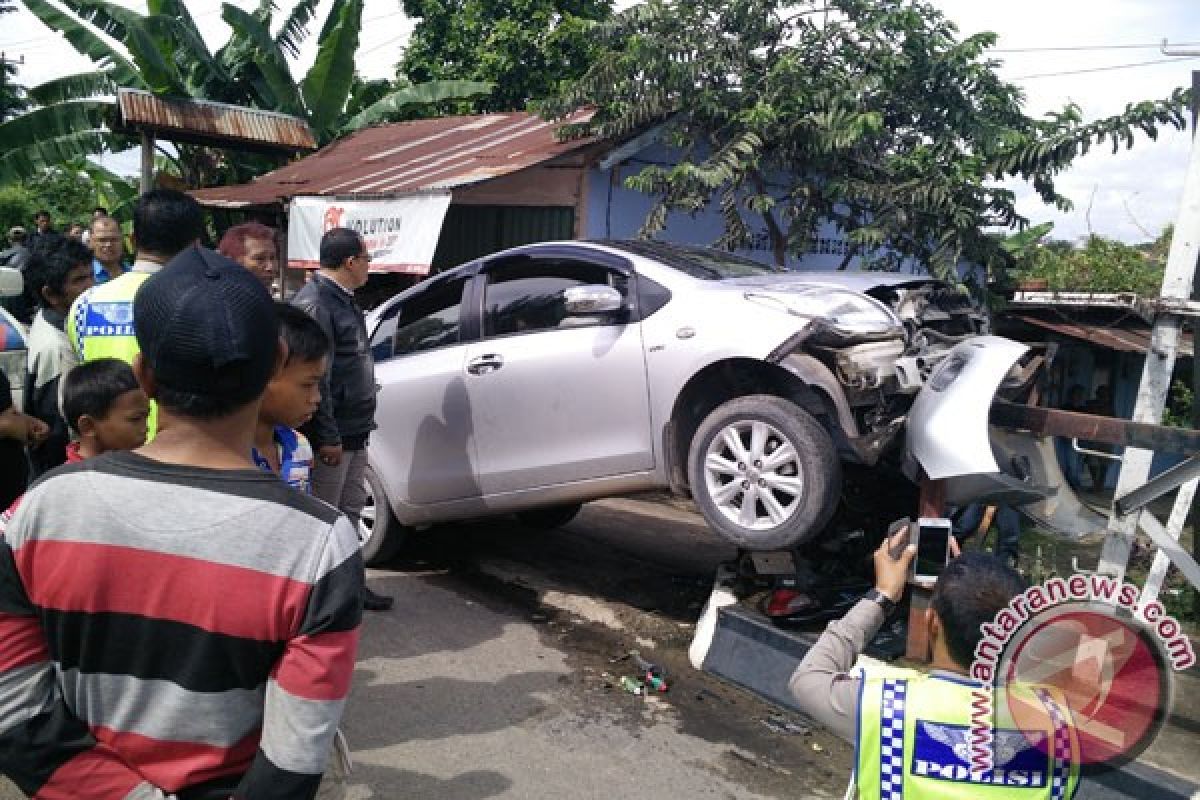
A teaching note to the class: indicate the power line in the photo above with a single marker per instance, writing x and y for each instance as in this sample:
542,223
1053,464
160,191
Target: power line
1077,47
1102,69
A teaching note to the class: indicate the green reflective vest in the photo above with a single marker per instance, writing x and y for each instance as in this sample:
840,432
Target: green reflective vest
915,743
100,325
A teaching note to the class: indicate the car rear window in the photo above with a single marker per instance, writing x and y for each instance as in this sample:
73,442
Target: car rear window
703,263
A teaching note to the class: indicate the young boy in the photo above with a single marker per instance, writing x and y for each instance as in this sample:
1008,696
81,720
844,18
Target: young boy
59,270
291,398
105,407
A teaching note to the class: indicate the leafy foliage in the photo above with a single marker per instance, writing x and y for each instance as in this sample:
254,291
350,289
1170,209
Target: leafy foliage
69,195
527,48
12,95
1179,412
874,114
17,207
162,51
1101,265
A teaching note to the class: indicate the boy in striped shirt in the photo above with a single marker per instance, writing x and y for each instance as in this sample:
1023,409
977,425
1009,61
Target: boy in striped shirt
173,620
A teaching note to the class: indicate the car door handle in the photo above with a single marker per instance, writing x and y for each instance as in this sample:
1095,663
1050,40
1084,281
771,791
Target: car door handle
483,365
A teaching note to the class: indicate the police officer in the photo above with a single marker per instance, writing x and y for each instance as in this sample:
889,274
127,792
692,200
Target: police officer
912,729
100,325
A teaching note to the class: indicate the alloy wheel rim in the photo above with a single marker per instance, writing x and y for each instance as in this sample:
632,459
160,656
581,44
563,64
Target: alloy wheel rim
366,519
753,475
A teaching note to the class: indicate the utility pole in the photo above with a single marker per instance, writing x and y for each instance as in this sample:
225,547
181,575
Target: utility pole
1174,306
1195,104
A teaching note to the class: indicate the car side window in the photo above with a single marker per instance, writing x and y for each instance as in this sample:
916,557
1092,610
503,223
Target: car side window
384,337
429,320
525,294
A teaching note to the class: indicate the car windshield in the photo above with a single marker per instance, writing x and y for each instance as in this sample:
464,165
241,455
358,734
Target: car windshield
703,263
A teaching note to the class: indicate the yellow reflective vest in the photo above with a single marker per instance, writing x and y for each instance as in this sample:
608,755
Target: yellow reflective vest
915,741
100,325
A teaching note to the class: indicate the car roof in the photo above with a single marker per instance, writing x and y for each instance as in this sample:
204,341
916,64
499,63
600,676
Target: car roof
853,280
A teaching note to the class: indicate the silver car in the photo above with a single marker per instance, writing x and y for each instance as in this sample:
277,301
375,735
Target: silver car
533,380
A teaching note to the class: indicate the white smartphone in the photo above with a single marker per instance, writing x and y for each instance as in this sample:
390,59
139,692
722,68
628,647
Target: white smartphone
933,548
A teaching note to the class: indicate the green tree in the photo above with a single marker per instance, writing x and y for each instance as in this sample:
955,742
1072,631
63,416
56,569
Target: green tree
1101,265
874,114
12,95
163,52
68,195
17,207
527,48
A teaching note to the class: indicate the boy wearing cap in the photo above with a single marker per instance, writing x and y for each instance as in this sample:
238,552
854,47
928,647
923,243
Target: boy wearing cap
223,669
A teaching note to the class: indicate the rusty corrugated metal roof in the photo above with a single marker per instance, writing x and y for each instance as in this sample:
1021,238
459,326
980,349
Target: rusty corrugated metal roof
408,157
1129,338
218,124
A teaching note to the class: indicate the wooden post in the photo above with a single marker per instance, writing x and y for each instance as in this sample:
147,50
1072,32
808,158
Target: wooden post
147,177
932,503
282,253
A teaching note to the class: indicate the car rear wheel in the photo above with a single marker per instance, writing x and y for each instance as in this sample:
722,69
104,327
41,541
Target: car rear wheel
546,519
380,534
764,472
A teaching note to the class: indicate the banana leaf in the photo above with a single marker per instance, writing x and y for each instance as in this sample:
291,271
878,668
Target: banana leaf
87,42
268,58
80,86
295,28
430,92
326,87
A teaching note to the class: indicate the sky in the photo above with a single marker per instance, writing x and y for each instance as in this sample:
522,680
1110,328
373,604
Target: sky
1128,196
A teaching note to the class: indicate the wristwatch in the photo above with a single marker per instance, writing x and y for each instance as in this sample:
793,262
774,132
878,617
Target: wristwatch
886,603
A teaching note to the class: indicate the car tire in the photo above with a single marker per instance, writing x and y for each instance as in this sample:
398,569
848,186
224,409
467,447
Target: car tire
380,534
547,519
777,498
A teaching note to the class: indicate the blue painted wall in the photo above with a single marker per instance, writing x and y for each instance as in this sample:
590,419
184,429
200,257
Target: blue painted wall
616,212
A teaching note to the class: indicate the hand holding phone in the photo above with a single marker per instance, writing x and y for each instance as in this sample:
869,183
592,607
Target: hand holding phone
892,560
933,548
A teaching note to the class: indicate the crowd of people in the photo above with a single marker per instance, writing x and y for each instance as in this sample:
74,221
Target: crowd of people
181,587
180,578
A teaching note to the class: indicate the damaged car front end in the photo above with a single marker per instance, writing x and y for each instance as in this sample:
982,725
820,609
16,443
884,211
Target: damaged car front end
872,366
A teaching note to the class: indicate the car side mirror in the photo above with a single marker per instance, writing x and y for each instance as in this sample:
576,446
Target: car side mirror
592,300
12,282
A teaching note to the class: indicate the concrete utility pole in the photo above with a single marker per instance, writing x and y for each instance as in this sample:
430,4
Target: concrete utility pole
1194,516
1179,282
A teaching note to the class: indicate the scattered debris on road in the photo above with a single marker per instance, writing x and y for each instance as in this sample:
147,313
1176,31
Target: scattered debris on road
779,723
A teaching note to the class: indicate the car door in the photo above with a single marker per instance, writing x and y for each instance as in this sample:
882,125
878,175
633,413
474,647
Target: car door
424,447
554,398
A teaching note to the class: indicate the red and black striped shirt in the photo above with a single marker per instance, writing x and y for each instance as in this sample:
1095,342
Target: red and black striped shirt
163,627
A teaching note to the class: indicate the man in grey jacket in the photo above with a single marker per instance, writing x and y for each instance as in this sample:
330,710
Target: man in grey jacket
339,429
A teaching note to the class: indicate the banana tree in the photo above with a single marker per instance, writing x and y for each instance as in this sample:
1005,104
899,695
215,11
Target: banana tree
162,51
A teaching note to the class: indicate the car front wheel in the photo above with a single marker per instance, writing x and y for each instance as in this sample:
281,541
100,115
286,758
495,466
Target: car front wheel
764,472
380,534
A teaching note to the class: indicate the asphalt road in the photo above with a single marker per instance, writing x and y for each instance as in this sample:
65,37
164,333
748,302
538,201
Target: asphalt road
496,674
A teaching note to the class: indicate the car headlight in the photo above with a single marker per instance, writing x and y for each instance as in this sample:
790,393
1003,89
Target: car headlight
947,372
846,310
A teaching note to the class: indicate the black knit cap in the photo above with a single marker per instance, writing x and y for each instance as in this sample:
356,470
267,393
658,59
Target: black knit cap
206,326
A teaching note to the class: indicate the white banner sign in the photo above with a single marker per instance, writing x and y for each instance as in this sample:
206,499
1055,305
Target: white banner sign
401,233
